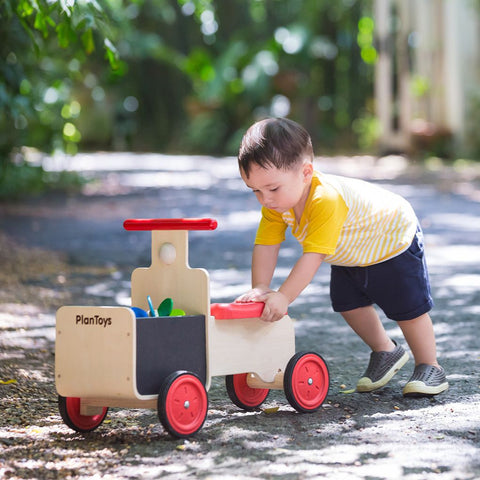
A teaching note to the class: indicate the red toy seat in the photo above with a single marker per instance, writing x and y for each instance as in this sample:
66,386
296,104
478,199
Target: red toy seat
226,311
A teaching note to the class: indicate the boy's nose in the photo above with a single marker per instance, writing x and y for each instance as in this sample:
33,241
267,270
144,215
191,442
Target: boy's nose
266,202
267,198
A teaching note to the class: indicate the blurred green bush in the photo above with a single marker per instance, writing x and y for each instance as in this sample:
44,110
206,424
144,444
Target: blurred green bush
181,75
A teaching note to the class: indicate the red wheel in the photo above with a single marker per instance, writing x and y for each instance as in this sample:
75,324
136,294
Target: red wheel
242,395
306,381
70,412
182,404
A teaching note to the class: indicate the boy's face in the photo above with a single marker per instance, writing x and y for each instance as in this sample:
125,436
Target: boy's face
280,190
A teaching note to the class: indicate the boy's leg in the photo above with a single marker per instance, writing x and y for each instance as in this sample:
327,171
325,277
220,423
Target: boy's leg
366,323
420,337
428,377
386,358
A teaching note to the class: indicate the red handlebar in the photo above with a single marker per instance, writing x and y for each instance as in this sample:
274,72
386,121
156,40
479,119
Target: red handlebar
170,224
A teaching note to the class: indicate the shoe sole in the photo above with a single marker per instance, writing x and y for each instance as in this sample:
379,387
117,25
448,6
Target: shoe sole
419,389
365,385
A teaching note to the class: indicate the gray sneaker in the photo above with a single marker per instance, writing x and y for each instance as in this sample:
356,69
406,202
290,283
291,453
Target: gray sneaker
381,368
426,380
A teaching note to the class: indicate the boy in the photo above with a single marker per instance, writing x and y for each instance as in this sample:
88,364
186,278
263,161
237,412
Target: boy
370,237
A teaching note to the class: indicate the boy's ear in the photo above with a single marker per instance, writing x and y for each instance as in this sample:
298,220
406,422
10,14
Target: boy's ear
307,171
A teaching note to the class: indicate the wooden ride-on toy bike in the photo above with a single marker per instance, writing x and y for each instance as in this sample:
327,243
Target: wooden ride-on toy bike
109,357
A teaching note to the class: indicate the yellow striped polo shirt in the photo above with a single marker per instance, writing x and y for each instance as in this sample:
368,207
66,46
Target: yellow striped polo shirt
353,222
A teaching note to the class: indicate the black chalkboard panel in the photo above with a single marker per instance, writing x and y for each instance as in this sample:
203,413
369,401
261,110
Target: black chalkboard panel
168,344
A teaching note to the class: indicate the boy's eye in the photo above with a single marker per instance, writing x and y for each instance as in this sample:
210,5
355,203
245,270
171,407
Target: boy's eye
274,189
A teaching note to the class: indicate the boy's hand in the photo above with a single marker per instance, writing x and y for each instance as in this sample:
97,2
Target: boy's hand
257,294
276,306
276,303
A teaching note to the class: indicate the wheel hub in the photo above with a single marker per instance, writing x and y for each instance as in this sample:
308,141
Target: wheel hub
186,405
310,381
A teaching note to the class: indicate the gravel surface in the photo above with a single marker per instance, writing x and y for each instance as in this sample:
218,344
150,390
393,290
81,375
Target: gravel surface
59,250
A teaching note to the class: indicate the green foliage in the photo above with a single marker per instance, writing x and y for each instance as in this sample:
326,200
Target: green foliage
181,75
472,138
38,77
367,129
202,76
73,22
20,179
420,85
365,39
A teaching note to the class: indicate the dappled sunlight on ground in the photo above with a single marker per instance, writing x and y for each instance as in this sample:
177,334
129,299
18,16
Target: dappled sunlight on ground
463,283
27,331
380,435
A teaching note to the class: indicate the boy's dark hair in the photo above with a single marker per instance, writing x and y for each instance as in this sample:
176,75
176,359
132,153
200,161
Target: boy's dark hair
277,142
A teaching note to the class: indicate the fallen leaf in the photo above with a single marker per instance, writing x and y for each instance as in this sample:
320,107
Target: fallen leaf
8,382
271,410
348,391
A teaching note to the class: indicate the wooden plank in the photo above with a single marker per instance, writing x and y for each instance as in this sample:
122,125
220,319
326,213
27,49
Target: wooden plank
90,404
95,352
253,381
250,345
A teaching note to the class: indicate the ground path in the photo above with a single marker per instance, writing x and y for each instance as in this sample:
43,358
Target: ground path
73,250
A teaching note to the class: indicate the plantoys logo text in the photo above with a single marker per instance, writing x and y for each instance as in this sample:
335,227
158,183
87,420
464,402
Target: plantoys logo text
95,320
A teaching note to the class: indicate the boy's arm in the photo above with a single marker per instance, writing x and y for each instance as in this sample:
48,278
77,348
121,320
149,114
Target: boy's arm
264,261
276,303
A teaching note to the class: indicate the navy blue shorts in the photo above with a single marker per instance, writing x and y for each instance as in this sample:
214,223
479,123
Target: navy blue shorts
399,286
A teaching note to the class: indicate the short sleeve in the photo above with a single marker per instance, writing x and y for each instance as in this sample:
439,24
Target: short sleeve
271,230
326,217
